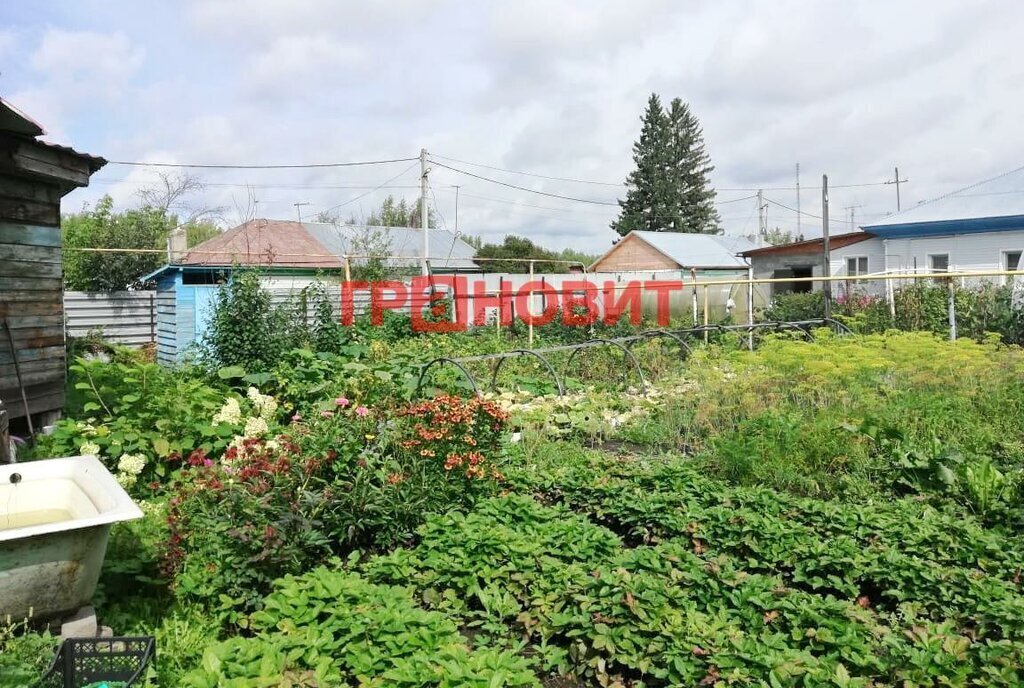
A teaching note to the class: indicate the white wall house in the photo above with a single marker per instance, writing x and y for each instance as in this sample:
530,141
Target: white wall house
976,229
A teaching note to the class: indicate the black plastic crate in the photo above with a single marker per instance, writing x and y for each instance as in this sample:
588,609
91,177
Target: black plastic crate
82,662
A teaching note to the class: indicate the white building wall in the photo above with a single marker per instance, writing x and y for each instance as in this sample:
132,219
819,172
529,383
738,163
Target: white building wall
872,249
967,252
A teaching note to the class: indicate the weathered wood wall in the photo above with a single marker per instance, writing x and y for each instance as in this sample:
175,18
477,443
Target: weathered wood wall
34,176
31,302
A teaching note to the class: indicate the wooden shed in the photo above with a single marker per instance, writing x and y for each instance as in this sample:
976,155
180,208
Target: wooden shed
34,176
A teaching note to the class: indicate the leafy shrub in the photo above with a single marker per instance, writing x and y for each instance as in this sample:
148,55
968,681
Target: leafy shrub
339,481
796,306
140,419
24,655
328,628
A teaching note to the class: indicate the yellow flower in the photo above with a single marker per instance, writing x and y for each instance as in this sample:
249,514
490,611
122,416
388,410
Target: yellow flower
371,437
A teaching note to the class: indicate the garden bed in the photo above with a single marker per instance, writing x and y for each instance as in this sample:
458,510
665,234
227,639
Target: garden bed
842,511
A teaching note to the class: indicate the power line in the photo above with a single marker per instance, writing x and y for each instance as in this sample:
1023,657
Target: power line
620,184
360,163
800,212
242,185
528,174
377,188
523,188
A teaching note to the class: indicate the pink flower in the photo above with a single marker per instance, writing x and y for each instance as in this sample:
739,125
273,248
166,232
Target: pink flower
207,462
362,411
327,414
296,418
342,402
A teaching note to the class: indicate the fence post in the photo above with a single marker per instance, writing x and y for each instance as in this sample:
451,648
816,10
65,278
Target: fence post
952,310
693,275
705,314
750,308
501,305
532,308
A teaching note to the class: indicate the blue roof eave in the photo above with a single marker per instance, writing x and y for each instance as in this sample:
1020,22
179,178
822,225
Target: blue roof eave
975,225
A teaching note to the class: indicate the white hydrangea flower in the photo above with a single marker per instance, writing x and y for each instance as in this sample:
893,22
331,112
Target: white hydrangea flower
264,404
131,463
126,480
273,445
230,412
89,449
255,427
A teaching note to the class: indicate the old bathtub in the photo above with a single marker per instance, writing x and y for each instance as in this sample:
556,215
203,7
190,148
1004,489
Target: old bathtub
55,517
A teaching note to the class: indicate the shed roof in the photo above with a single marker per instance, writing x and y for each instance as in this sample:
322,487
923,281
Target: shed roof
286,243
810,245
991,205
694,250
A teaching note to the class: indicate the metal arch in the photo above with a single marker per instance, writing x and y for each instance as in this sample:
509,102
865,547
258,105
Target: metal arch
841,328
526,352
653,334
779,325
442,360
628,354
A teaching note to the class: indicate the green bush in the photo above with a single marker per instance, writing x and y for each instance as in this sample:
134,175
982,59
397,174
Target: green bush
345,479
329,628
796,306
140,419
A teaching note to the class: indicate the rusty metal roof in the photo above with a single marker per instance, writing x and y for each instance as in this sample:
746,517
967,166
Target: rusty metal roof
837,241
279,243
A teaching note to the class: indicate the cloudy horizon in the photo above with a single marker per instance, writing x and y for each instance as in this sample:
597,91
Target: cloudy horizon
552,88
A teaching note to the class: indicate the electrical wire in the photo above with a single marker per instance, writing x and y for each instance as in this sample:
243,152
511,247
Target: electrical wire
794,210
527,174
209,166
591,201
621,184
376,188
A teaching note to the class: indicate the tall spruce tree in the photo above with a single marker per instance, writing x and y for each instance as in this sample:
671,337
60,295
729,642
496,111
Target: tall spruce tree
646,193
669,190
690,166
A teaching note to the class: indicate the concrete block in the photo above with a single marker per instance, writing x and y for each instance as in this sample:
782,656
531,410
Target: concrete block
81,625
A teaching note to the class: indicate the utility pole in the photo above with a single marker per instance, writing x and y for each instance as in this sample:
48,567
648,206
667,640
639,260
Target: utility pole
897,181
826,270
424,215
853,216
298,208
457,187
799,232
762,232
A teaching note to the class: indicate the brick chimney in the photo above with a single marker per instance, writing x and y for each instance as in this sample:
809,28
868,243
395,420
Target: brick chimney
177,245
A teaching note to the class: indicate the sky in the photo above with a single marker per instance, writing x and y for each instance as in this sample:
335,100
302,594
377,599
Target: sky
550,87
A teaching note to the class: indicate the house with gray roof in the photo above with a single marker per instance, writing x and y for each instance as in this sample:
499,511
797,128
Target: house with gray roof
644,251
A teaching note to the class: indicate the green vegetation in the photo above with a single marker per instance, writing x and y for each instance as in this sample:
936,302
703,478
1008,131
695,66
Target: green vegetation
843,511
670,188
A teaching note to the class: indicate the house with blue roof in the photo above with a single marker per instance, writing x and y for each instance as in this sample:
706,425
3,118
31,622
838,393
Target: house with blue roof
979,228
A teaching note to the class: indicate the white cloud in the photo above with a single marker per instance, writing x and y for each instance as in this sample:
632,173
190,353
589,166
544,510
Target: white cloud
302,62
551,86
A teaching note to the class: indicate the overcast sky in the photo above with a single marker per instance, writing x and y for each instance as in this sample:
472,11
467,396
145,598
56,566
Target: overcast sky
552,87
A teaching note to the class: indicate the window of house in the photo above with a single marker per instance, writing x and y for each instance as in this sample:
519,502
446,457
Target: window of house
1012,261
939,262
857,265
